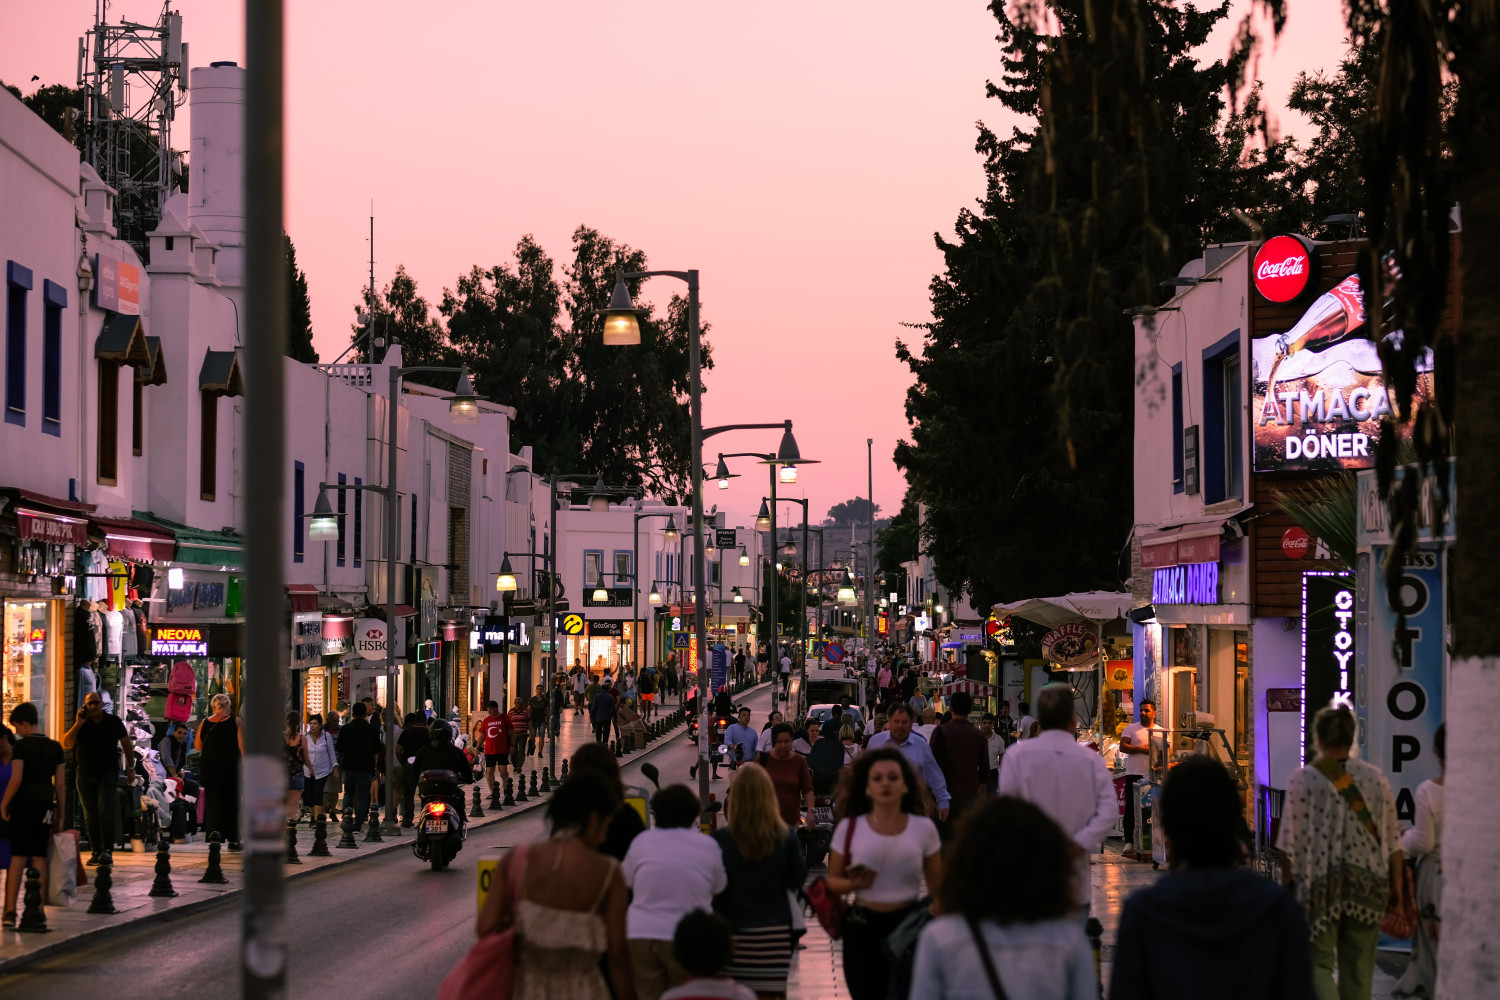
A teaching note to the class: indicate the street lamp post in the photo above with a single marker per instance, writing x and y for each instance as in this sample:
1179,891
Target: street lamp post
622,328
802,623
463,406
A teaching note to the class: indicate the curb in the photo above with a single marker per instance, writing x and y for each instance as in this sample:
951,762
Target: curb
103,933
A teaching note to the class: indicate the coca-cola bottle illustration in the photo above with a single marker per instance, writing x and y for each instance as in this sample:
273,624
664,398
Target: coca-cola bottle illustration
1330,319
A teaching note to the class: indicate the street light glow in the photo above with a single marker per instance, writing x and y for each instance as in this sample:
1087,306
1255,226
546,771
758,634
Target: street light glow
788,474
738,597
463,405
323,523
744,557
622,326
763,519
506,582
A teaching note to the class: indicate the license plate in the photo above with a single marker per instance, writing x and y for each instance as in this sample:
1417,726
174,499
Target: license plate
435,826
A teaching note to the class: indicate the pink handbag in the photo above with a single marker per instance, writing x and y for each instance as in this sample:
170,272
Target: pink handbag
488,971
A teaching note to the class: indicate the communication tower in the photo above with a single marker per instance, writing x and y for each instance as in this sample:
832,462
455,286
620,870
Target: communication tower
134,77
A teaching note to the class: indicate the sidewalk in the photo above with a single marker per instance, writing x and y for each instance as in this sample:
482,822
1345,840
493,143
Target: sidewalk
134,874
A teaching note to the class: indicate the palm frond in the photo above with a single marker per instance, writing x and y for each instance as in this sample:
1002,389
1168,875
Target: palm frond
1326,510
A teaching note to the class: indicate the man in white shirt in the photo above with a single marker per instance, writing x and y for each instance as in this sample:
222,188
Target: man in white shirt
1065,779
1135,744
1023,724
672,869
786,673
995,747
764,746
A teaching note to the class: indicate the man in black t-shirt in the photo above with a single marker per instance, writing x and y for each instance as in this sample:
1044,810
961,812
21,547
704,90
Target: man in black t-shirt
29,805
96,739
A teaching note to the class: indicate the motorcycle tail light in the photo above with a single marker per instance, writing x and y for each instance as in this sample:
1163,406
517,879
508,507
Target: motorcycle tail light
438,808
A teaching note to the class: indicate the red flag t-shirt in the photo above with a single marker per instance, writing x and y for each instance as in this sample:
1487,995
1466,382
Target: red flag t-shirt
496,734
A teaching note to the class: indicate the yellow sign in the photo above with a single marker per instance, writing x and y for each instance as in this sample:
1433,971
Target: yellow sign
637,798
572,624
487,868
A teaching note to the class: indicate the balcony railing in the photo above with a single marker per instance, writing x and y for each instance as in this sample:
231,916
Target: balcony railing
359,376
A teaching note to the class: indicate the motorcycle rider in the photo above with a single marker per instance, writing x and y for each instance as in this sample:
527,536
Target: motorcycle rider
742,740
441,755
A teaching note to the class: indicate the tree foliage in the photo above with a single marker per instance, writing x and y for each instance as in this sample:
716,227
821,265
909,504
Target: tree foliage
299,334
852,512
1022,409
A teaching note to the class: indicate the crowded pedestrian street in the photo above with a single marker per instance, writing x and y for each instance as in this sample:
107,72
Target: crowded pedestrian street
693,501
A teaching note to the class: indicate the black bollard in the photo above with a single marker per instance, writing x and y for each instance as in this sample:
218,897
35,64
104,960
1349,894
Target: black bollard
103,902
547,783
33,917
494,802
510,798
534,791
372,835
521,787
347,842
475,810
214,873
1094,930
292,857
320,838
565,769
162,884
614,747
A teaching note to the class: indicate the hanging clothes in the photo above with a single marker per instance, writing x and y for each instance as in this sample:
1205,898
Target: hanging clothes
85,642
129,638
114,627
119,585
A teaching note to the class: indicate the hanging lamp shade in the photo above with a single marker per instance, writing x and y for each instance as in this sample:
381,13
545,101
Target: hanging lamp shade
763,519
463,405
744,557
505,583
322,523
622,324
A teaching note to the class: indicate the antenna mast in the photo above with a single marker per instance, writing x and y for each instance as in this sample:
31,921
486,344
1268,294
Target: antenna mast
127,72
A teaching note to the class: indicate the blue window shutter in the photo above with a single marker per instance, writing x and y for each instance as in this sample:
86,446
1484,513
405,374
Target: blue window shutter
299,526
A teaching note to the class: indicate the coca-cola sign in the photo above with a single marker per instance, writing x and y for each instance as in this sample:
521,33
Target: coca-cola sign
1295,543
1285,268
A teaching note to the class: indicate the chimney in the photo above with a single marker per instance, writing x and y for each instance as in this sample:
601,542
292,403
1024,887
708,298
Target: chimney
216,178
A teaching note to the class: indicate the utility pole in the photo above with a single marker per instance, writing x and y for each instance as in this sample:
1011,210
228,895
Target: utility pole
263,938
870,579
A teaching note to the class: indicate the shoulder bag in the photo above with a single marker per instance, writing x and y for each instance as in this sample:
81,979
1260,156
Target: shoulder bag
1398,922
829,907
986,960
488,971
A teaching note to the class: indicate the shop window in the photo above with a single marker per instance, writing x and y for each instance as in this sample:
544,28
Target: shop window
593,568
28,647
343,509
1177,481
208,460
359,523
299,507
107,444
137,418
54,298
17,284
1223,425
1244,699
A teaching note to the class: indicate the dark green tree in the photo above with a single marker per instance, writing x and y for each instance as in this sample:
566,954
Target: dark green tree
503,323
855,512
299,334
402,316
1025,380
900,541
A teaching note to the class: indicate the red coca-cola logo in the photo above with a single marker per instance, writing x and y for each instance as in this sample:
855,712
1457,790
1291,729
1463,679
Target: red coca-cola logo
1295,543
1285,268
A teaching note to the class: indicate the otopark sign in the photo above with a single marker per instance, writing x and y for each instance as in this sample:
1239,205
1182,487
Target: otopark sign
834,653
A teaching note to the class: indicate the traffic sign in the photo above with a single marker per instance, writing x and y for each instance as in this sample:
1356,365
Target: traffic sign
834,653
820,647
681,640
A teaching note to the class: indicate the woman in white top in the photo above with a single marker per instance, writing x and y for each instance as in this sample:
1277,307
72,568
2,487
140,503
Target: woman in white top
850,742
883,847
1033,948
1423,843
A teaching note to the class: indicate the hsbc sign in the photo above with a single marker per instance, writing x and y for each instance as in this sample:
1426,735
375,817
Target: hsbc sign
1285,268
370,636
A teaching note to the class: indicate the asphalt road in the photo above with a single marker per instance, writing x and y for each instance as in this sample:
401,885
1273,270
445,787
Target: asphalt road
386,926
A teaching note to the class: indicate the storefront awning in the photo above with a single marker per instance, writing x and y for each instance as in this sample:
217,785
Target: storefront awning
221,374
1194,542
122,339
1089,606
46,519
204,548
303,597
135,540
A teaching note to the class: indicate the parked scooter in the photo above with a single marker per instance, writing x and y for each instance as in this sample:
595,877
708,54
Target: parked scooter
441,826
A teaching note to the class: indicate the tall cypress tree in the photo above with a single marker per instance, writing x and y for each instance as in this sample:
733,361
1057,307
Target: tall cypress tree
1021,414
299,344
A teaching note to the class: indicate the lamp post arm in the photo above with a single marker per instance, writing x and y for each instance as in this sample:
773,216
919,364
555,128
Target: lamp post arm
398,373
709,432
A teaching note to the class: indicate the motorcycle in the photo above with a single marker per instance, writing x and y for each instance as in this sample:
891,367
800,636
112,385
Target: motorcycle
441,826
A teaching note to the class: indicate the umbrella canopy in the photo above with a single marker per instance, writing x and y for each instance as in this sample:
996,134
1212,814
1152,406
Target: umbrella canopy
1090,606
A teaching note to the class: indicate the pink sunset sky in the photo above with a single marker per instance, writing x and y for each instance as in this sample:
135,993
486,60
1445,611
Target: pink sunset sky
799,154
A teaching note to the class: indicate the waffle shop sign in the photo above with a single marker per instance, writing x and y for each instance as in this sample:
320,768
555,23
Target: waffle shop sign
1189,583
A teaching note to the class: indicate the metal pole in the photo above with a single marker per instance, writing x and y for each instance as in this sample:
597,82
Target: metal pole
802,623
635,596
552,574
700,591
263,940
774,665
821,564
392,515
870,580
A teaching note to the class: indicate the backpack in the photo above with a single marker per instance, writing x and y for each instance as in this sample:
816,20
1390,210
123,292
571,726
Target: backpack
182,688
